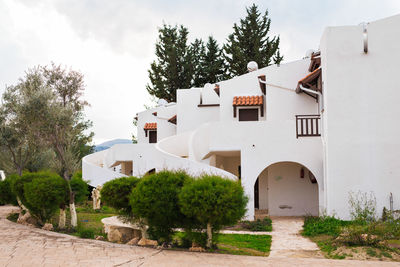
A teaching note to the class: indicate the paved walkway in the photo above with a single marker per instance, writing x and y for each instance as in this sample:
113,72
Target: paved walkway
26,246
287,241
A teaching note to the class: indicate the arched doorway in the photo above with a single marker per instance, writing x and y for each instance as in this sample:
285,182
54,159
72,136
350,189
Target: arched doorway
286,189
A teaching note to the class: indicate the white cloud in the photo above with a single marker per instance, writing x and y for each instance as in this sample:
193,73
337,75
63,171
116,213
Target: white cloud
112,42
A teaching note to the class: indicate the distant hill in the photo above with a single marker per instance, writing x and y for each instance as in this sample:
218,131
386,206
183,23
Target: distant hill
110,143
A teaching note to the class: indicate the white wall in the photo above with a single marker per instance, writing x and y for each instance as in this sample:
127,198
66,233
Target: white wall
190,116
281,100
361,118
164,128
286,188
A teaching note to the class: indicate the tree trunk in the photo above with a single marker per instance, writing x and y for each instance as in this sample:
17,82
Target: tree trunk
209,235
21,205
74,217
62,219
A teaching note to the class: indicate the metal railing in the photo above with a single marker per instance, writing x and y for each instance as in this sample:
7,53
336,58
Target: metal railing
307,125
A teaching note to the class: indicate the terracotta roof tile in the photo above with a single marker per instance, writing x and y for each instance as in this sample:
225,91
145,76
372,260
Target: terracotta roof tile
150,126
248,100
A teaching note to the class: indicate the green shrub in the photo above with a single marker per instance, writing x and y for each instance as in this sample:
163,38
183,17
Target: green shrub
44,196
115,193
79,187
86,233
155,199
13,217
326,225
6,194
258,225
362,206
214,202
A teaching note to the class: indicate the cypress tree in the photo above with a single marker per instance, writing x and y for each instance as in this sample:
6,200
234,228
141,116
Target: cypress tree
250,42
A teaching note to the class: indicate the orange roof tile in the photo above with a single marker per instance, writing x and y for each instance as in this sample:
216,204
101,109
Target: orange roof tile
248,100
150,126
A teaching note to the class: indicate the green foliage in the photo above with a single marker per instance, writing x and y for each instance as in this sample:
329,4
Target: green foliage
326,225
155,199
86,233
79,187
13,217
257,242
44,195
258,225
209,64
6,194
214,200
173,68
362,206
115,193
250,42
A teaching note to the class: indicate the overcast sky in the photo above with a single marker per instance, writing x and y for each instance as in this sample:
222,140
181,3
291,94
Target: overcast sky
112,41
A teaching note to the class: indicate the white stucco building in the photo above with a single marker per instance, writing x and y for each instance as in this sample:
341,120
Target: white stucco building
299,136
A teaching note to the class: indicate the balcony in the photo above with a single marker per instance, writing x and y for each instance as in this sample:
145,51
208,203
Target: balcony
307,125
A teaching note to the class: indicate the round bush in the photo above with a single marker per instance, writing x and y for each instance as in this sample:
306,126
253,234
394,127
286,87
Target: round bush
214,202
155,199
19,182
115,193
79,187
6,194
44,195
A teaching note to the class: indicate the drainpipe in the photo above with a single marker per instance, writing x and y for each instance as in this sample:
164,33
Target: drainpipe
274,85
310,91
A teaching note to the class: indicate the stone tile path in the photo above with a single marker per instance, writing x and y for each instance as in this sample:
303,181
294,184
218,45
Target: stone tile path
26,246
287,241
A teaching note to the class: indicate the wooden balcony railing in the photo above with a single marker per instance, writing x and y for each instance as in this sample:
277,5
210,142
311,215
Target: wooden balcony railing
307,125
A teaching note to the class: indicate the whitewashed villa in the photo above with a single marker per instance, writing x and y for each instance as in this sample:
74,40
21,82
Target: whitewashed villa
299,136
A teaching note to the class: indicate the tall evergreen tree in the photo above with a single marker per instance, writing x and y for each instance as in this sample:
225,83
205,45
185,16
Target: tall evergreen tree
197,51
173,68
250,42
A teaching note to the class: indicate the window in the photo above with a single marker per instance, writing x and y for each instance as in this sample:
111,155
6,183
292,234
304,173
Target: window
152,136
248,114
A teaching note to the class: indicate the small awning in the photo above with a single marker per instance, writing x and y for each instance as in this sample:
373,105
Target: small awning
172,119
315,61
248,100
310,81
150,126
255,100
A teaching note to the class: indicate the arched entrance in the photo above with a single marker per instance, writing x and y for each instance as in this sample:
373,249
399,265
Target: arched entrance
286,189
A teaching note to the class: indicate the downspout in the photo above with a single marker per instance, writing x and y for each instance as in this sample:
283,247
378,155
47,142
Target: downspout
310,91
274,85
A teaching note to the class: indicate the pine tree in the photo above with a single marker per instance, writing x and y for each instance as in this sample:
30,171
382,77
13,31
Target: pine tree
213,62
250,42
173,68
197,51
209,63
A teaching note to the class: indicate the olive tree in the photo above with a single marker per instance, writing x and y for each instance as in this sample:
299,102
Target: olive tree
214,202
52,109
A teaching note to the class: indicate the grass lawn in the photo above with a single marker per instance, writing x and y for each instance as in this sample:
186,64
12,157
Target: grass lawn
238,244
326,233
89,221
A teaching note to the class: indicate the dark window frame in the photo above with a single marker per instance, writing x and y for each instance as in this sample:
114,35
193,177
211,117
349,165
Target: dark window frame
242,115
151,135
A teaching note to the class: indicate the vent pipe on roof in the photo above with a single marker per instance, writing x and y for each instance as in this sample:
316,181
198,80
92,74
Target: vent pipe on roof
365,37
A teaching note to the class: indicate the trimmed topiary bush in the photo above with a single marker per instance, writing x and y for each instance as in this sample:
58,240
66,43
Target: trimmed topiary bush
6,194
155,199
214,202
79,187
115,193
44,196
